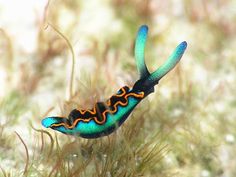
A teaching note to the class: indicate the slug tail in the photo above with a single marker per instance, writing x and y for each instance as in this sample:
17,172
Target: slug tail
49,122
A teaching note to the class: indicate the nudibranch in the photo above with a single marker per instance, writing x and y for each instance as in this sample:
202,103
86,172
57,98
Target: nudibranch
106,117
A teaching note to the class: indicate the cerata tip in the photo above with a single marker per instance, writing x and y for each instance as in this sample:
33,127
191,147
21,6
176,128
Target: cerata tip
184,44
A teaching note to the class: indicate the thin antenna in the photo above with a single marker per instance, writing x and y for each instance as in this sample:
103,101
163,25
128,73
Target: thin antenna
73,57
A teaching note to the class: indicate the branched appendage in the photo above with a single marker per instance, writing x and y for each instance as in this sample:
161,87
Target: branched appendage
105,117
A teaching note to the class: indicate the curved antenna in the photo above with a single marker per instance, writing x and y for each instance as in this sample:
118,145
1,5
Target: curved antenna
139,48
73,57
169,64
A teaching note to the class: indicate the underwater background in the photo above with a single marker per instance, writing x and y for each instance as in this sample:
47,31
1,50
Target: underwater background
187,127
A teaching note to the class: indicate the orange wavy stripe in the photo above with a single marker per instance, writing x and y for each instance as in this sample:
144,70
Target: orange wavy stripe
141,95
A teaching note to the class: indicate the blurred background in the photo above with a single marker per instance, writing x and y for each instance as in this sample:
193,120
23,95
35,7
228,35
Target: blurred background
186,128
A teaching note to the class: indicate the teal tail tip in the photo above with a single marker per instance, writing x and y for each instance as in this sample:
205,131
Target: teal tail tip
48,121
45,123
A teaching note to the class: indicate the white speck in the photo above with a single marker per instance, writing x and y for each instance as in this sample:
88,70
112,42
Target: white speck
220,106
104,156
229,138
177,112
205,173
75,155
